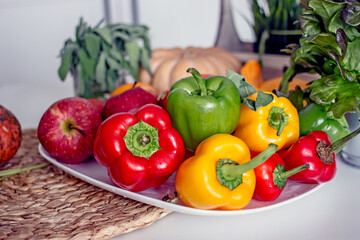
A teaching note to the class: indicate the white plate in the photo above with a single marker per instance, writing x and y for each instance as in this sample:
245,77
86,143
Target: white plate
92,172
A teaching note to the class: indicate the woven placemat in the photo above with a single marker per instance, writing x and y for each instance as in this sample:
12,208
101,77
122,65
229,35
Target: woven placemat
48,203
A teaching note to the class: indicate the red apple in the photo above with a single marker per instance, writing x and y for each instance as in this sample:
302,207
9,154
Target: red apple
98,103
132,98
67,129
10,134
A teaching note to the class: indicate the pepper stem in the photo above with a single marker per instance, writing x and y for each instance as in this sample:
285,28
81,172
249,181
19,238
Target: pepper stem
280,175
339,143
199,79
278,119
229,173
142,139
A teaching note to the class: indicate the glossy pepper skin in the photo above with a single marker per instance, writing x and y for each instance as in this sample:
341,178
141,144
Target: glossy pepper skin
311,149
314,117
140,150
198,180
271,178
201,107
259,128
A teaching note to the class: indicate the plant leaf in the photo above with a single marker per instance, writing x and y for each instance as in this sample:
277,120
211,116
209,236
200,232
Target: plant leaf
133,51
88,64
351,60
66,60
245,89
100,72
92,44
351,13
105,34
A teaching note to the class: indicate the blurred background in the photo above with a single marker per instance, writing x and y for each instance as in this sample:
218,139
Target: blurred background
33,33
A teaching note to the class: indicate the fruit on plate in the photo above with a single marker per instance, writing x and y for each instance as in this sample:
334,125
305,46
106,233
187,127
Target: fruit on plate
10,134
132,98
67,129
98,103
127,86
170,65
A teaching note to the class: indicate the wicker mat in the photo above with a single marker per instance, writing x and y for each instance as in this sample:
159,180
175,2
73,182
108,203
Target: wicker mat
48,203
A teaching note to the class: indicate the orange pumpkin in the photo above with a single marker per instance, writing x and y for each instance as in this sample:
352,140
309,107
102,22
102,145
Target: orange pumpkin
170,65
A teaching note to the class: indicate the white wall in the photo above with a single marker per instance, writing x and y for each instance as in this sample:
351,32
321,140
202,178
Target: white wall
32,32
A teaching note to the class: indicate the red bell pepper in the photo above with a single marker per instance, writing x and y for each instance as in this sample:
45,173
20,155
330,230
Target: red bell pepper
271,178
316,150
140,150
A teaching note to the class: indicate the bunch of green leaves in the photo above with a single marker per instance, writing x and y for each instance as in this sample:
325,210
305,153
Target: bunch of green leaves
99,55
330,46
276,17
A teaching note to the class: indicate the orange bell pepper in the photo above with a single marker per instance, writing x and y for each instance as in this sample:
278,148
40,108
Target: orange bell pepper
220,175
277,122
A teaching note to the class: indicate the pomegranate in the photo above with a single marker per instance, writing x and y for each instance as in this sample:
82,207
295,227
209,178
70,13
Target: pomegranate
10,134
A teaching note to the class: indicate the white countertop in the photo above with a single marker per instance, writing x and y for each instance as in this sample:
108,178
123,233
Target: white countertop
332,212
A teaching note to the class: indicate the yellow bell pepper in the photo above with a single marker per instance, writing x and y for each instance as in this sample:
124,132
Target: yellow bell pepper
277,123
220,175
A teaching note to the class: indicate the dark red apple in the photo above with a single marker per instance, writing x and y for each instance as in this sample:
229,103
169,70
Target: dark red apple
132,98
10,134
98,103
67,129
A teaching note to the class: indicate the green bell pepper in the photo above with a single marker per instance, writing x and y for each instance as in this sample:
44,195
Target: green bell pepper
200,108
315,117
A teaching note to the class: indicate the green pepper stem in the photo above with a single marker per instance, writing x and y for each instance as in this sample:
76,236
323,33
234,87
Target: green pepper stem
278,119
285,175
339,143
199,79
230,174
11,172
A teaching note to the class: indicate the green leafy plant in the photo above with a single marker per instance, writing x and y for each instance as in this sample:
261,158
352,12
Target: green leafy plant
274,24
99,56
330,46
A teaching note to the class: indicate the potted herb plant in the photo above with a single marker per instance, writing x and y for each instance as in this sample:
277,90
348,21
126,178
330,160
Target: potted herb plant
275,25
101,57
330,46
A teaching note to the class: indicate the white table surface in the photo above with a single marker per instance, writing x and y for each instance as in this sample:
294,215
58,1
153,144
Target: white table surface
331,213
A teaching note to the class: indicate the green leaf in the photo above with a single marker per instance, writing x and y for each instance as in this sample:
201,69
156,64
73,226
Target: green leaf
105,34
262,100
336,22
145,63
112,63
133,52
245,89
345,105
325,9
296,97
310,24
88,64
100,71
92,44
351,60
66,60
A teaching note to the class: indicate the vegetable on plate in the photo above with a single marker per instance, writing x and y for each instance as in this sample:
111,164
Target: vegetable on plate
315,117
271,178
220,175
277,122
140,150
200,108
317,150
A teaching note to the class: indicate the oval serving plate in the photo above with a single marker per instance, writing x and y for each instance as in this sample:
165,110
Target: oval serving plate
92,172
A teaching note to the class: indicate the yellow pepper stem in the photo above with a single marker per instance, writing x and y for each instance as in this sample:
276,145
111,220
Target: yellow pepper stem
229,173
278,119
